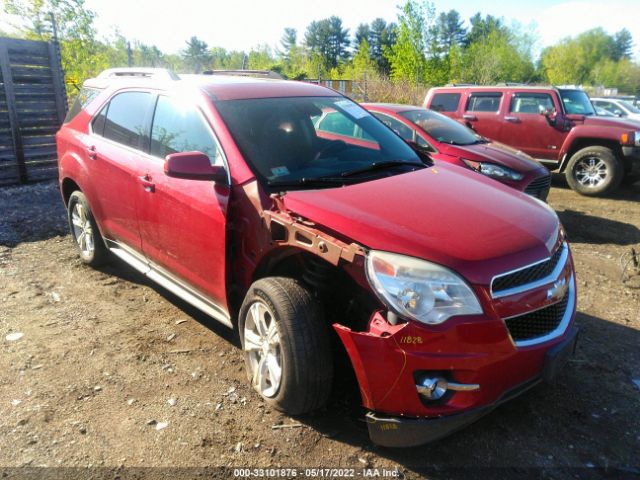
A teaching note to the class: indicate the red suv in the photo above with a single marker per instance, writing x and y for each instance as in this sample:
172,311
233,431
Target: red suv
449,141
449,293
557,126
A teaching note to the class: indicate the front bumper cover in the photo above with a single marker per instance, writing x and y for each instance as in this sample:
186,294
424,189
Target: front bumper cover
410,432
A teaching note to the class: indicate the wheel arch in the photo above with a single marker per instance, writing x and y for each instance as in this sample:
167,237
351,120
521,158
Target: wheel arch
584,142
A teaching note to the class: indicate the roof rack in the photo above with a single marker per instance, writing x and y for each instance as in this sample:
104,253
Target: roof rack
155,73
461,85
511,84
246,73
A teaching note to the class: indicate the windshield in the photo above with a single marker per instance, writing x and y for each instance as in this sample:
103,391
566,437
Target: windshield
442,128
576,102
629,106
301,140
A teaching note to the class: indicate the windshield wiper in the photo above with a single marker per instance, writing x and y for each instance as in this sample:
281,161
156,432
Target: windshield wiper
380,165
309,181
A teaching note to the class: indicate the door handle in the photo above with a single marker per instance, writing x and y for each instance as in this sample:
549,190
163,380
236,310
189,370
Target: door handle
147,184
512,119
471,118
91,152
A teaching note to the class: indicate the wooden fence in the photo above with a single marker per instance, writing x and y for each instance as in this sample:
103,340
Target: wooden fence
33,105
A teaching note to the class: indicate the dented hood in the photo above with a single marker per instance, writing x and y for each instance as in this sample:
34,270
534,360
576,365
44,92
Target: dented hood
445,214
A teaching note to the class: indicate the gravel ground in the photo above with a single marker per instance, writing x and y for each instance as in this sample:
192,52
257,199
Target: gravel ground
114,373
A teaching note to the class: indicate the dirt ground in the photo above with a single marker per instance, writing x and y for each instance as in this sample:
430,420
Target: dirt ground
113,372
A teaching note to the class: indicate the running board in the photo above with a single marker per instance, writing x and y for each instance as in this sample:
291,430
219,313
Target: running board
163,279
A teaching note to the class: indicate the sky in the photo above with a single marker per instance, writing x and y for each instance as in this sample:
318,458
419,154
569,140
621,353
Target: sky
243,24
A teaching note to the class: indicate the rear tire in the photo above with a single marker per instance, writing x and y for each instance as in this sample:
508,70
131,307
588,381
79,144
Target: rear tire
286,345
594,171
85,232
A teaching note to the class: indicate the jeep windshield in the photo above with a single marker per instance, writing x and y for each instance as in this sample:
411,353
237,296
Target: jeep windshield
442,128
576,102
314,142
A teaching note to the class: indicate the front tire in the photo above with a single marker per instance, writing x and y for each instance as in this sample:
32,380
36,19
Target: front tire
286,345
85,232
594,171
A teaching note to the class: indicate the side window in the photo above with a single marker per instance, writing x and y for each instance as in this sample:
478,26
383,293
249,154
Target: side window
531,103
445,102
336,122
395,125
125,118
178,127
608,106
484,102
97,124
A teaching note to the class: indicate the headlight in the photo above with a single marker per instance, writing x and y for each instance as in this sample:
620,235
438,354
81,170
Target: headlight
494,171
418,289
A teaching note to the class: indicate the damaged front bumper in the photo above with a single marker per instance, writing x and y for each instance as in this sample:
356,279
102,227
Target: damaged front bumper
388,358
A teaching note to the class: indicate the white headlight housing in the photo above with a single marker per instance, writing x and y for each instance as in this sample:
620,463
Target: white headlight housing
419,290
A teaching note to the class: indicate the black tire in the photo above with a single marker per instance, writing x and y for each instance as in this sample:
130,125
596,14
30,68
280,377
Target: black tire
98,254
304,344
606,181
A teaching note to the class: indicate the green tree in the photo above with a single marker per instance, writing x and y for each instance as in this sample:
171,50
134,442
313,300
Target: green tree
622,44
328,41
449,30
481,28
406,56
196,55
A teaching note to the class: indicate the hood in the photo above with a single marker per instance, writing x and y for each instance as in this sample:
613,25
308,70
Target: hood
445,214
494,152
596,121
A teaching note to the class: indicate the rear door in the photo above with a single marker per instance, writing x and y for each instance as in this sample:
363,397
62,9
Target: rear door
482,113
526,129
113,150
183,222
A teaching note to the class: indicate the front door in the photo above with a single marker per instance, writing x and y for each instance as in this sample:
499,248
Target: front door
526,129
183,222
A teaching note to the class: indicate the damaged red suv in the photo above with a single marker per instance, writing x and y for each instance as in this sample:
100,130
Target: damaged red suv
449,293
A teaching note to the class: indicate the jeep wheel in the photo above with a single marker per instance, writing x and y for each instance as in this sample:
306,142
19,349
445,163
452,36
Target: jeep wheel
84,231
286,345
594,171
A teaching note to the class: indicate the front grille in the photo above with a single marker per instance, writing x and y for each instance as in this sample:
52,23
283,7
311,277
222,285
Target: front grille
527,275
539,188
539,323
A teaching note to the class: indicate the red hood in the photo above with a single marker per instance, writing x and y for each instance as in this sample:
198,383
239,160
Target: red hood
446,214
595,121
493,152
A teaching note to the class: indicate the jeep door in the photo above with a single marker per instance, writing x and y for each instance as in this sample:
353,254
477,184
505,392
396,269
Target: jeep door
527,128
183,222
482,113
113,151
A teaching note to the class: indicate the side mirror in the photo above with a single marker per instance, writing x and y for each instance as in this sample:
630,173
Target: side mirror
422,152
193,166
618,113
548,113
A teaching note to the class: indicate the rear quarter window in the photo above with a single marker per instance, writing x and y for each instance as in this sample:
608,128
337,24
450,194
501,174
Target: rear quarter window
83,99
445,102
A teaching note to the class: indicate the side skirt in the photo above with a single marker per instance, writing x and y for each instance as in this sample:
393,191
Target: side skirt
168,281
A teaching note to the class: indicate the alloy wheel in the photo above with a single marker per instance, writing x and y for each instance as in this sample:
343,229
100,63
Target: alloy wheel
591,172
82,230
263,349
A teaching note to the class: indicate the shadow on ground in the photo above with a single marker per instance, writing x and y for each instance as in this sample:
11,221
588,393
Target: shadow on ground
584,228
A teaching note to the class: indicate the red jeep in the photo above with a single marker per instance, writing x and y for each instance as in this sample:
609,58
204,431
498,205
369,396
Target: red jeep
449,292
557,126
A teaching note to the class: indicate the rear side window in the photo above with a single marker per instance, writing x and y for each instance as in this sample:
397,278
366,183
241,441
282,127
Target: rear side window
125,118
337,123
178,127
484,102
531,103
82,100
395,125
445,102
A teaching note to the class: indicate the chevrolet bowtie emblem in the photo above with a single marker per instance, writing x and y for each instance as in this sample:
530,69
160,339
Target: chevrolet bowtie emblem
558,291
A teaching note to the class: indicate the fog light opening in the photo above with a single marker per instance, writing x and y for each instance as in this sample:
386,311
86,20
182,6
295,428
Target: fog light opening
432,388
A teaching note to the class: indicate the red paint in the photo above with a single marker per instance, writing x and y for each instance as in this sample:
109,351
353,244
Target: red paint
532,133
214,237
492,152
